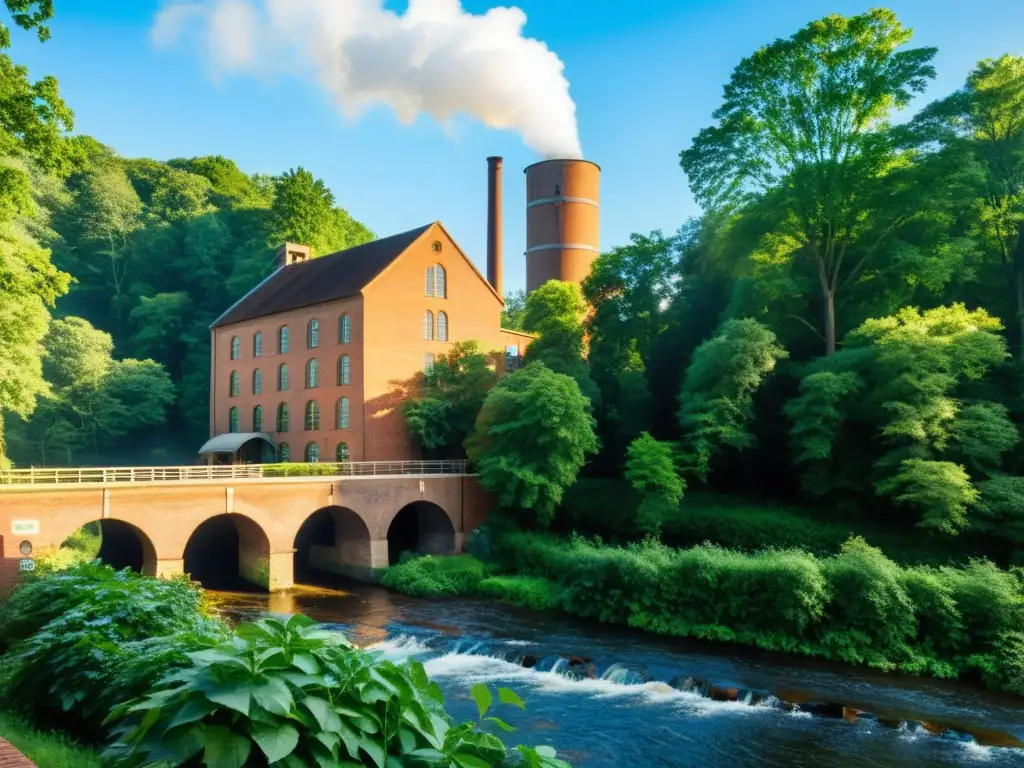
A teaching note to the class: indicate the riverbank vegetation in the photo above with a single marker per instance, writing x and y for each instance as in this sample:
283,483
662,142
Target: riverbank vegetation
137,666
50,749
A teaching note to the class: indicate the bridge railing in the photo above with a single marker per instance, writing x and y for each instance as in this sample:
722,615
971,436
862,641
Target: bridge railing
65,475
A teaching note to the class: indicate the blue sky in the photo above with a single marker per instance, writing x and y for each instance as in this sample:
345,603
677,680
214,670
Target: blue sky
645,76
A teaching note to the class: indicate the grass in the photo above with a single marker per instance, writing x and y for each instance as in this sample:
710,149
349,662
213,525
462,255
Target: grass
46,750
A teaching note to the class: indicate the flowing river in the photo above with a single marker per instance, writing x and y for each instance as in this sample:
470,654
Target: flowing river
612,698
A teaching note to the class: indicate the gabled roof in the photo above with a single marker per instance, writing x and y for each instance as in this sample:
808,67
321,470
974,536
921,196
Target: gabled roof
334,276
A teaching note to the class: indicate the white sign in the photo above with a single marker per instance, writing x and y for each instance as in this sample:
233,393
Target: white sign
27,565
25,527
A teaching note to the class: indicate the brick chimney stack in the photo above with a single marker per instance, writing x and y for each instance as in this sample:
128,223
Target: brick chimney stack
292,253
494,224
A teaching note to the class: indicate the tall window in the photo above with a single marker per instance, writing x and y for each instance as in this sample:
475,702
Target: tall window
344,371
428,325
344,330
282,378
440,282
343,413
312,415
257,382
282,417
313,334
429,287
284,453
236,348
312,453
233,420
442,326
312,374
257,419
257,344
282,340
428,361
341,453
233,384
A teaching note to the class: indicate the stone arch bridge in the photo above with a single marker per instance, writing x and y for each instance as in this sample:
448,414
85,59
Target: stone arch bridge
262,520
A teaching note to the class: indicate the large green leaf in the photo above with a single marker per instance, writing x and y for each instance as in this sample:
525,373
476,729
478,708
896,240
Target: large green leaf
375,751
465,760
482,696
274,696
234,696
225,748
182,743
324,713
508,696
277,742
195,708
306,663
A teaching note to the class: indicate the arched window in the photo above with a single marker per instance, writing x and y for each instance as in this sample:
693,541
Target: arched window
440,282
312,374
282,378
442,326
257,344
429,287
284,453
341,453
257,382
312,453
282,340
312,415
343,413
233,420
236,348
344,330
233,384
257,419
282,417
344,371
435,246
313,334
428,325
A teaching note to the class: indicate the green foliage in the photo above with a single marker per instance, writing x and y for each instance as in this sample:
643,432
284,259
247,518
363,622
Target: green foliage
717,396
524,591
432,576
441,415
857,606
513,309
1000,507
651,471
555,312
532,436
53,750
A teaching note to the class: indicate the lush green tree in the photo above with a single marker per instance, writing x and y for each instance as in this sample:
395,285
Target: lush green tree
27,14
888,414
180,195
650,469
442,414
555,312
716,402
532,437
303,212
93,401
230,187
512,312
981,126
801,141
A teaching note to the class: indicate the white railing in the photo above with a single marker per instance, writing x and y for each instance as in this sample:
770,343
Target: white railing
50,476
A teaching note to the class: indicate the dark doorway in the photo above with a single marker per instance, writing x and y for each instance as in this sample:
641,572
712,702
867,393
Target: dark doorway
420,528
230,553
115,543
333,541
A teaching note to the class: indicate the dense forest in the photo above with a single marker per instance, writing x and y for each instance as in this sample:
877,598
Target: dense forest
133,259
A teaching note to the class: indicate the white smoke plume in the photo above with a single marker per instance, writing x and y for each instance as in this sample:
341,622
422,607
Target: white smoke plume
435,58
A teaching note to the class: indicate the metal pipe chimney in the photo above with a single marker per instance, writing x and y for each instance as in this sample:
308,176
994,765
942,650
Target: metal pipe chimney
494,224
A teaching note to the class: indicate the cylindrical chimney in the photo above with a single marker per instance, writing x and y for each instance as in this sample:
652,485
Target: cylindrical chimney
562,220
494,223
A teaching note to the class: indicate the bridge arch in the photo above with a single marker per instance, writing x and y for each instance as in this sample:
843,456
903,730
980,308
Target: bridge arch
333,539
226,549
422,527
115,542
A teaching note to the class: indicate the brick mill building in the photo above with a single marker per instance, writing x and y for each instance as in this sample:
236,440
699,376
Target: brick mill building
314,362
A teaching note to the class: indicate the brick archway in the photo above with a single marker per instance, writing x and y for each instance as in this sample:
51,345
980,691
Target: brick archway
226,547
334,539
423,527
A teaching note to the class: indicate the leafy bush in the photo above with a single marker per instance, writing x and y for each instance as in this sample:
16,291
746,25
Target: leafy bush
289,694
431,576
857,606
70,634
524,591
300,469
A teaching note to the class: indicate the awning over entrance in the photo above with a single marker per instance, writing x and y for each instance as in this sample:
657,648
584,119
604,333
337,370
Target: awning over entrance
232,441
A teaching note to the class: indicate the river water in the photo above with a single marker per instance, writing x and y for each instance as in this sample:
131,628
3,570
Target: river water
607,697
